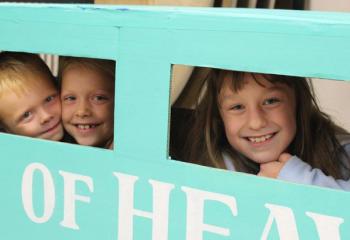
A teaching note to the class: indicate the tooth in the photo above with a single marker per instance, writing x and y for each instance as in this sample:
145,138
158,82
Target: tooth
260,139
84,127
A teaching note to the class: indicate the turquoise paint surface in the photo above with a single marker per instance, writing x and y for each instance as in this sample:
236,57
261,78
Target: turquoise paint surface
145,42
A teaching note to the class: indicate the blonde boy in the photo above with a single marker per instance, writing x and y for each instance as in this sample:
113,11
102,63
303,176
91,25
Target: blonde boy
29,99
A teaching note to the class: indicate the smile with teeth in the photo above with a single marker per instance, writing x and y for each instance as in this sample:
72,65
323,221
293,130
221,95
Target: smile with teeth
260,139
86,126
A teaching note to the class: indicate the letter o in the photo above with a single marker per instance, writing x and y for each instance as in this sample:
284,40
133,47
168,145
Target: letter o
27,192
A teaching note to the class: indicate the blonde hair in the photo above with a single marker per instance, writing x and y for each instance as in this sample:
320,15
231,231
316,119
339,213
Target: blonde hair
104,67
15,68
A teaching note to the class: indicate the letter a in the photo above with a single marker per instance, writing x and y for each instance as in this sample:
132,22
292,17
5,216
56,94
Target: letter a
285,221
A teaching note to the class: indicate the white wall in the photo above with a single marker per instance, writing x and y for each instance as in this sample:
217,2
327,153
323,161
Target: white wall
333,96
334,99
330,5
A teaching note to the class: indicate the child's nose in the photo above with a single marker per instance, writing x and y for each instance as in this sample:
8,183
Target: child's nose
83,109
45,116
257,118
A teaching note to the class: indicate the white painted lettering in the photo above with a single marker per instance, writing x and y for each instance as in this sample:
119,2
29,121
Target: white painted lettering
48,190
70,197
195,212
159,216
285,221
327,226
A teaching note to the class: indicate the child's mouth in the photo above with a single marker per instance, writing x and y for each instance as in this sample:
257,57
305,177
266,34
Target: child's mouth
52,128
85,126
260,139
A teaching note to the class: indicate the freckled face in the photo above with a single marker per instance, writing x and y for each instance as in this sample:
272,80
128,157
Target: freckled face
259,121
87,106
33,112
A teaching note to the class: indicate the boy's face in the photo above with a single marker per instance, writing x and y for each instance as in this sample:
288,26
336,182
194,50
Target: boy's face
34,112
87,106
259,121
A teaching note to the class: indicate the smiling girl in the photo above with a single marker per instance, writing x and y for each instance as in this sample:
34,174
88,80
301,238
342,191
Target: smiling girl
87,95
268,125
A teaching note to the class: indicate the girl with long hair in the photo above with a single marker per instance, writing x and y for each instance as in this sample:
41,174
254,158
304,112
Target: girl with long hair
269,125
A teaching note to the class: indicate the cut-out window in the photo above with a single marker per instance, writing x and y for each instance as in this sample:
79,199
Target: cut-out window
58,98
257,123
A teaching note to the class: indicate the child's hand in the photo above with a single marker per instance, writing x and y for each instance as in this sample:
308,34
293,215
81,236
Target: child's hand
272,169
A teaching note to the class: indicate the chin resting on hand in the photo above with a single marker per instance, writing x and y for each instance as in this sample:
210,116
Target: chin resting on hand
272,169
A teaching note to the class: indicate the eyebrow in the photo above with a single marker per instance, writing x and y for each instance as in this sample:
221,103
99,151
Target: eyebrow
278,88
275,87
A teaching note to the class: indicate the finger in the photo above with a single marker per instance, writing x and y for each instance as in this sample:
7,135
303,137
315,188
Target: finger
284,157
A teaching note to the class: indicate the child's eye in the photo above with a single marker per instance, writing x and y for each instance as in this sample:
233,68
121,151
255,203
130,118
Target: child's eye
26,116
69,98
50,98
100,98
237,107
270,101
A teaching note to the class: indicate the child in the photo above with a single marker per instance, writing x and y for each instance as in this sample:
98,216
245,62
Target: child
87,95
254,123
29,100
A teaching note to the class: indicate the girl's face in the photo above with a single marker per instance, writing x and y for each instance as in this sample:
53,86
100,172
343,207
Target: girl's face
87,106
259,119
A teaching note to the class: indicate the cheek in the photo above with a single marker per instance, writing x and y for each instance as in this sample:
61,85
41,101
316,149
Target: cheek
10,128
292,126
57,108
67,111
28,129
232,127
105,112
233,137
290,117
288,121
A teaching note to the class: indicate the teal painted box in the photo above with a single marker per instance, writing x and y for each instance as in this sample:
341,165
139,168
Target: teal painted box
54,190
